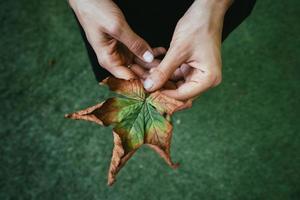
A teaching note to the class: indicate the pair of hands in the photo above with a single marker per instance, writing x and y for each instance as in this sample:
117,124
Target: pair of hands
192,63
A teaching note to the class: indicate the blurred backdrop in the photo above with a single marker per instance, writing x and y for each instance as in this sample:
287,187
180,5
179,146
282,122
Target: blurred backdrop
239,141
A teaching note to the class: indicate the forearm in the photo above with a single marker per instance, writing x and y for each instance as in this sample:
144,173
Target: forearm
206,16
221,5
215,8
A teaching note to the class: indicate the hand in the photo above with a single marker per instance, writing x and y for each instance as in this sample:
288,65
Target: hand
141,69
113,41
194,58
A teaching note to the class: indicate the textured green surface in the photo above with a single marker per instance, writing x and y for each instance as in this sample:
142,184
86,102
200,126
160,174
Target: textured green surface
239,141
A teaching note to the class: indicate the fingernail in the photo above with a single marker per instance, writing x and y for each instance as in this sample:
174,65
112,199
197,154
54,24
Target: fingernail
148,84
148,57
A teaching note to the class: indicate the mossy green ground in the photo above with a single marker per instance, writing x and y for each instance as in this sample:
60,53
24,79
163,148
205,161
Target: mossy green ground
239,141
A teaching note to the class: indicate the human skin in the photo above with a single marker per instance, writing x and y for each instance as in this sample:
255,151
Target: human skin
113,41
194,57
193,60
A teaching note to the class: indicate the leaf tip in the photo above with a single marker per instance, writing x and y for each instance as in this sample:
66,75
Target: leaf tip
110,182
174,165
104,81
69,116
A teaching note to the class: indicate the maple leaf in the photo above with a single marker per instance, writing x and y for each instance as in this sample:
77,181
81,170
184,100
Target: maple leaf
137,117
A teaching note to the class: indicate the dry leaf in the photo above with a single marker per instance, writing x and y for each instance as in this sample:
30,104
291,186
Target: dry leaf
138,118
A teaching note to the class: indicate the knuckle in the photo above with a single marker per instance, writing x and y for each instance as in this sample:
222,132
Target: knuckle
210,76
102,63
189,104
214,78
115,28
218,81
101,60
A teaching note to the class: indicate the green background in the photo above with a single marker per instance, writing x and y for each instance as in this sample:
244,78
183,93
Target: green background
239,141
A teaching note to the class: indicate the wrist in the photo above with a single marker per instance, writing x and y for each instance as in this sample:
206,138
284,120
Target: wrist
208,15
218,6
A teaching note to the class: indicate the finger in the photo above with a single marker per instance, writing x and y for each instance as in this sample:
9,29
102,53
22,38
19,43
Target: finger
135,44
188,104
145,65
139,71
177,75
158,51
185,69
159,75
142,74
121,72
181,72
187,90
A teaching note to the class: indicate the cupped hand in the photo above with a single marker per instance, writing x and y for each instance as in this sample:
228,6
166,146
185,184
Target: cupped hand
194,58
113,41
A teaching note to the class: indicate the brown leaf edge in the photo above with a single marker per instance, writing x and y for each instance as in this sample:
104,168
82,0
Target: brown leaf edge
165,153
132,88
87,114
119,158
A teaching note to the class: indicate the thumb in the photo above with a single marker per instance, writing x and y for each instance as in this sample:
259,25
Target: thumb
136,44
162,73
